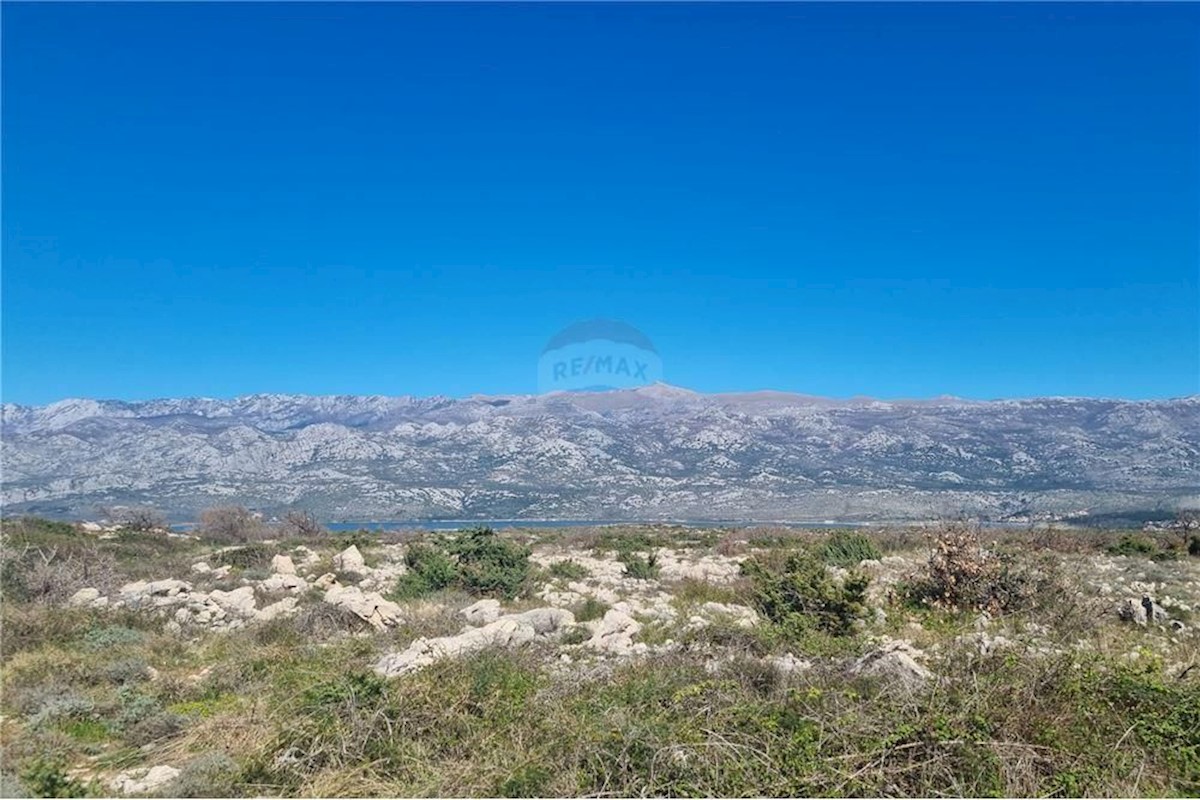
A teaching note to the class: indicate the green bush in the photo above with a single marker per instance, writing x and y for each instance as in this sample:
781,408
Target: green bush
590,609
211,774
102,638
1194,546
476,560
490,565
568,570
800,595
251,556
46,778
844,549
641,567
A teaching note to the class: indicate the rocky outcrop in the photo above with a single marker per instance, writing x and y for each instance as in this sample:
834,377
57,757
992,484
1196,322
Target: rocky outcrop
896,662
144,780
369,606
511,630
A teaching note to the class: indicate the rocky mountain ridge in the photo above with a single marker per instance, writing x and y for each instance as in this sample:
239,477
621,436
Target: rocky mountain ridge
657,452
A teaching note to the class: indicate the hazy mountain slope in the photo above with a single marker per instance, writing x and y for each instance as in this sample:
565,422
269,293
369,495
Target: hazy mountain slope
653,452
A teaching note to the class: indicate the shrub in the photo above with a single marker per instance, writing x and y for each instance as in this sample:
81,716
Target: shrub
568,570
963,575
490,565
1194,546
1133,545
156,727
801,595
301,524
591,609
641,567
252,556
230,524
139,518
129,670
102,638
211,774
430,569
844,549
47,778
476,560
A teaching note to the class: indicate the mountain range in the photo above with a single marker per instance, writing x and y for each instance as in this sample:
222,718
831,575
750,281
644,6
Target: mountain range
656,452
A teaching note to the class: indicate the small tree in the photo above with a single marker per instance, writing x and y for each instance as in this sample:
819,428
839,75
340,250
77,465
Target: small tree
1187,521
230,524
301,524
142,519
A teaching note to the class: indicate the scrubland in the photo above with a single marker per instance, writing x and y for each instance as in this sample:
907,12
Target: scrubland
615,661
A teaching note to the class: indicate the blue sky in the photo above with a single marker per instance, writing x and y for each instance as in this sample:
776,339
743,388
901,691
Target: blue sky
897,200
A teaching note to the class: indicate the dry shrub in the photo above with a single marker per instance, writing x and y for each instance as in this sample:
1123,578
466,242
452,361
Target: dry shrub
962,574
231,524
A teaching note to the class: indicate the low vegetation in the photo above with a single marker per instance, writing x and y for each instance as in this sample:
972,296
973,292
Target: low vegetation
760,664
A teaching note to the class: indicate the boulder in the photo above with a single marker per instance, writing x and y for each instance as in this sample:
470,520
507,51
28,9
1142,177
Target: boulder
481,613
614,633
84,597
284,583
283,565
369,606
143,781
201,568
284,608
350,560
895,662
240,601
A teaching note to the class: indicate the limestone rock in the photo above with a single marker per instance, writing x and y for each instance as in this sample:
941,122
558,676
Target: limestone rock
369,606
481,613
614,633
283,565
84,597
141,781
895,661
511,630
240,601
350,560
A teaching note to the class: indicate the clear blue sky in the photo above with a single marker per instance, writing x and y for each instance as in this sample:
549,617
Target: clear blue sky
897,200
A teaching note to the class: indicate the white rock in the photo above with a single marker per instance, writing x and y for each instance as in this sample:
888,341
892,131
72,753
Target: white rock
369,606
283,565
350,560
481,613
614,633
511,630
284,583
240,601
141,781
895,661
201,568
284,608
743,616
787,663
84,597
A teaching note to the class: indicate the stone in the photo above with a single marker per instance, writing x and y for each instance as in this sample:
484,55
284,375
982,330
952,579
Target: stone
84,597
512,630
325,581
896,662
201,568
142,781
351,561
284,583
481,613
614,633
284,608
283,565
369,606
1131,610
788,663
240,601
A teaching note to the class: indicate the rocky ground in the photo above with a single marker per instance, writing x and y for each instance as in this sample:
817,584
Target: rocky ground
628,661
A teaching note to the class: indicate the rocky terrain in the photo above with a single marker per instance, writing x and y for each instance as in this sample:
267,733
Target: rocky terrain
656,452
622,660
